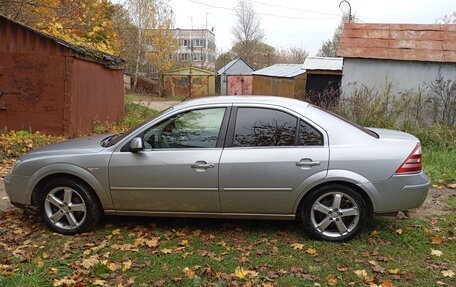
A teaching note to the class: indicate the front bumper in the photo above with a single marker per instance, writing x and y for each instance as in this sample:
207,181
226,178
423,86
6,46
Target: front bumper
17,190
401,192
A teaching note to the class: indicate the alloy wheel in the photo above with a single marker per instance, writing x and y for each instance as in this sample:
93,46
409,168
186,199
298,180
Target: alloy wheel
65,208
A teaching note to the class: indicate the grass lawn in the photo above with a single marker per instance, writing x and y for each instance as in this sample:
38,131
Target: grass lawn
197,252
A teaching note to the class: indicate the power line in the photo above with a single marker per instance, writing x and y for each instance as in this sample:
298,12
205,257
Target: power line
264,14
293,8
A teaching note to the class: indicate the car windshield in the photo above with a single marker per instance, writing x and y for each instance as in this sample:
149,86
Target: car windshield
367,131
120,136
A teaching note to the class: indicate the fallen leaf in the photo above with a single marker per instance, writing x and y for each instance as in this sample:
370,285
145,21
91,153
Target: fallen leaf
436,240
311,251
99,282
242,273
394,271
64,282
448,273
153,242
451,185
88,263
375,232
166,250
331,280
113,266
189,273
437,253
386,283
297,246
126,265
116,232
399,231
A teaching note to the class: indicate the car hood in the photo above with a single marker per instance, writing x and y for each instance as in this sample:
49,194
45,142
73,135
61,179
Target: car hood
387,134
83,145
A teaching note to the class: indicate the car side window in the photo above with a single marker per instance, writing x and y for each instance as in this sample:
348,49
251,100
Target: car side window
193,129
264,127
308,136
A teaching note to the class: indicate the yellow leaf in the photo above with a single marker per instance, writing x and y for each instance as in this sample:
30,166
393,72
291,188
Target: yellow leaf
437,253
116,231
375,232
311,251
297,246
126,265
99,282
189,273
399,231
394,271
331,280
240,272
64,282
166,251
113,266
448,273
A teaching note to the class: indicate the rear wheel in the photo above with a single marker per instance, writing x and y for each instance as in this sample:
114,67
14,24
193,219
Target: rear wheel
334,213
68,206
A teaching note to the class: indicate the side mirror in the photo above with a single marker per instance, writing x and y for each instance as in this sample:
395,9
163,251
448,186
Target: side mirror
136,144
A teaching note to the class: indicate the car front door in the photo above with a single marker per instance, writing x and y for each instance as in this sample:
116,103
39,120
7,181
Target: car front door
178,169
269,153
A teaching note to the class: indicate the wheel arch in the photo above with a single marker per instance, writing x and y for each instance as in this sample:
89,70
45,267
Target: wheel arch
48,173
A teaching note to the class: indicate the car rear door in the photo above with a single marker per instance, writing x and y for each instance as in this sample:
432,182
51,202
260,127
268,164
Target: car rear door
178,169
269,152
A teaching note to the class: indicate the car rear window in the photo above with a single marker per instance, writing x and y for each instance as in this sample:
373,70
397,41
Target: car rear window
365,130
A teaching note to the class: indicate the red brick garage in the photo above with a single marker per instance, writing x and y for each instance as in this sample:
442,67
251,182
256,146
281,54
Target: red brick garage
49,85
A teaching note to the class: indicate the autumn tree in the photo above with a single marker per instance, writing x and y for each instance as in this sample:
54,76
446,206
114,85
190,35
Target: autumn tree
292,55
86,23
329,47
154,43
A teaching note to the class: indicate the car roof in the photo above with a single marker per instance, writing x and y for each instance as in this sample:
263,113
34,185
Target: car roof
272,100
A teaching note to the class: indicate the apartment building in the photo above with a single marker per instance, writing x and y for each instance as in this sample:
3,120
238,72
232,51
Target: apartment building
196,47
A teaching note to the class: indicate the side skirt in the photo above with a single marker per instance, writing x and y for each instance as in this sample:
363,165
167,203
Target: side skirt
201,214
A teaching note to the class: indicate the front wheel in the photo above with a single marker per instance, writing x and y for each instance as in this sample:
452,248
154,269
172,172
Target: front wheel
68,206
334,213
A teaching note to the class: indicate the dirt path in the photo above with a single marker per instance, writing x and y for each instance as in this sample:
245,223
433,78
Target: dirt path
434,204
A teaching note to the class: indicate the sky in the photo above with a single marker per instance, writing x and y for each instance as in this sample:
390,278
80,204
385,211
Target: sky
304,23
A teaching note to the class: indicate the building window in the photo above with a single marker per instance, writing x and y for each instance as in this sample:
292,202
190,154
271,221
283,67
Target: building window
197,57
183,57
199,43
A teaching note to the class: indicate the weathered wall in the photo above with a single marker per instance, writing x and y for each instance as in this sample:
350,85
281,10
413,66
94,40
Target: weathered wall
239,85
97,94
31,80
271,86
403,75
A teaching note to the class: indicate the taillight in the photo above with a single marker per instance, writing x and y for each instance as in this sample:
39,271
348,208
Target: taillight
413,163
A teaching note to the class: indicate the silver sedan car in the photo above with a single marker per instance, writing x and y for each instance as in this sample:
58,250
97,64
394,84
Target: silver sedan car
232,157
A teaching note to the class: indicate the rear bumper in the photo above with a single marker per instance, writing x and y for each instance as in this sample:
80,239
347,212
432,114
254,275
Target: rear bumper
401,192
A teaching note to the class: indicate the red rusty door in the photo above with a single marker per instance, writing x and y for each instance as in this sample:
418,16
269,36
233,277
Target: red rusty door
32,92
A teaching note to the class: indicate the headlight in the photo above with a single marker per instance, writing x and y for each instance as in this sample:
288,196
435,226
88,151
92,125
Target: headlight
18,162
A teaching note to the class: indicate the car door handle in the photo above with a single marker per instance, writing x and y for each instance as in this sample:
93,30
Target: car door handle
307,162
202,164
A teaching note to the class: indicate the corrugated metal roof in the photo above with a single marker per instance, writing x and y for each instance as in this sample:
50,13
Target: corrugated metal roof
236,67
281,70
409,42
323,63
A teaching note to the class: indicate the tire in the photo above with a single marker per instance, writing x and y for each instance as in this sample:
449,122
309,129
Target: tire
333,213
68,206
